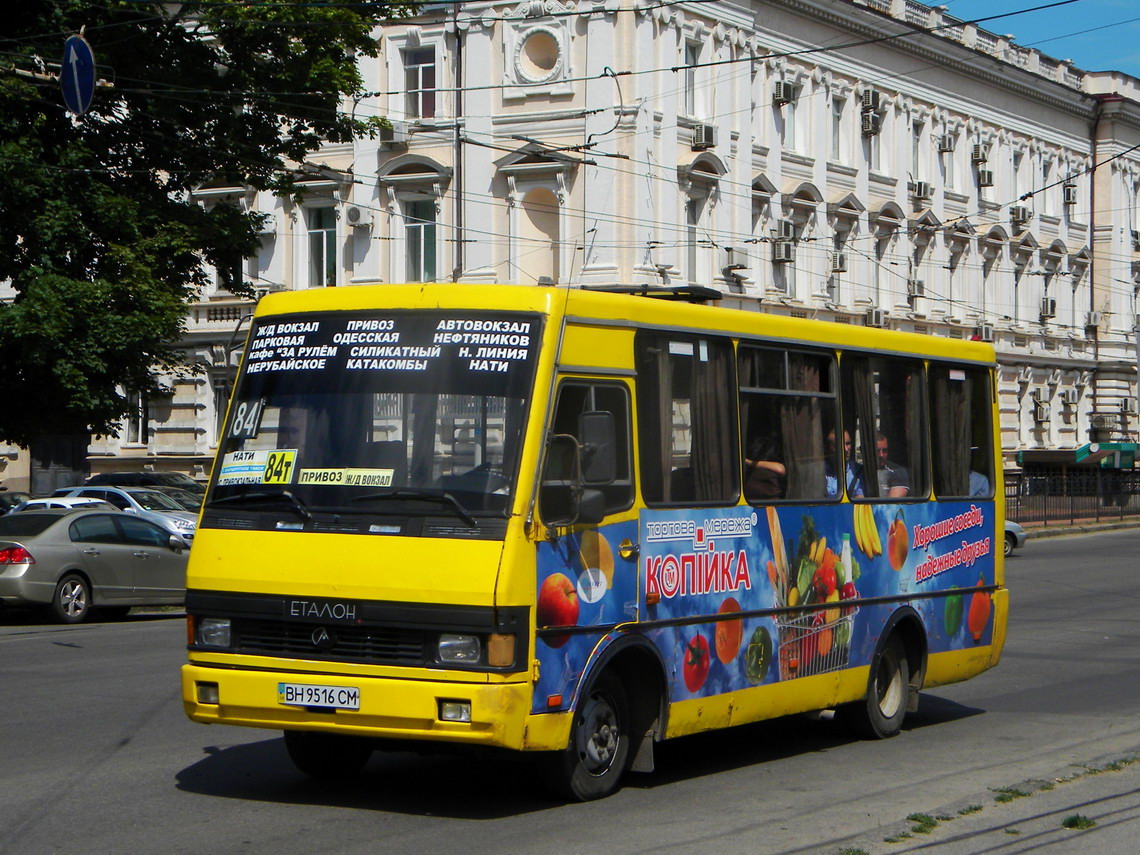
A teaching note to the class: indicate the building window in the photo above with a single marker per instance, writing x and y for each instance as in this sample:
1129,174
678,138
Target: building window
916,165
949,177
419,235
322,247
419,82
137,418
837,106
692,60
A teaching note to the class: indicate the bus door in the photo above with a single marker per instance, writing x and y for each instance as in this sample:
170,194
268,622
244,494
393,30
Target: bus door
586,555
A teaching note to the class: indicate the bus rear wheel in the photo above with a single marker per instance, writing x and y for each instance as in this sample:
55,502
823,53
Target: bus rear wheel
592,766
327,756
880,715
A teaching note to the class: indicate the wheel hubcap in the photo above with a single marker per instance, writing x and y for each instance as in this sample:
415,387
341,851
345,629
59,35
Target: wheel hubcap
598,735
72,599
890,689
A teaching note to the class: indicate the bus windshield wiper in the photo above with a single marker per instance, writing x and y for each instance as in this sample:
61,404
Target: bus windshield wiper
438,498
295,504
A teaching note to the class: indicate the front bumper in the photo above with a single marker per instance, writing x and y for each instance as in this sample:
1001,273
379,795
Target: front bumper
398,709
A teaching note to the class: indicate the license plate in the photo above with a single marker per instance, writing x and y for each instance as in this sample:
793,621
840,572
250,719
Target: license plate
329,697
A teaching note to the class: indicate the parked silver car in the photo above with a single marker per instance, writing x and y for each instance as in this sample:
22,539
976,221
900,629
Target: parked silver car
1015,536
76,502
144,502
72,561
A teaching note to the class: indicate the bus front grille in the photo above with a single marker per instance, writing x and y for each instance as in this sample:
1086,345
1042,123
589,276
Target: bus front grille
370,644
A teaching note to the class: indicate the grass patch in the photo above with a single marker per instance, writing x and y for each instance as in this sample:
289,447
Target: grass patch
1012,831
1077,821
924,823
852,852
1008,794
969,809
898,838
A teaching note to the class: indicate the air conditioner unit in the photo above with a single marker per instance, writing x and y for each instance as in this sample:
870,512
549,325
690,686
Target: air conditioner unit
985,178
783,92
704,137
783,252
1020,213
1048,308
357,216
915,287
786,229
870,101
1040,412
268,225
1136,238
921,189
872,124
1128,405
980,153
1068,194
985,332
1102,421
733,258
1071,396
838,262
393,134
876,318
947,142
1092,319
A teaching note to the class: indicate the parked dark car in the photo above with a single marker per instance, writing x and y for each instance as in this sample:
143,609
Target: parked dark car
71,561
10,498
146,479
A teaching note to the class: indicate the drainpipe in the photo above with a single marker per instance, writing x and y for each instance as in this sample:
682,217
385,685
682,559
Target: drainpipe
457,270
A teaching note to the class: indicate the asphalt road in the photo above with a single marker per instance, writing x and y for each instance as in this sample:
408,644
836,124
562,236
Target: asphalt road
96,755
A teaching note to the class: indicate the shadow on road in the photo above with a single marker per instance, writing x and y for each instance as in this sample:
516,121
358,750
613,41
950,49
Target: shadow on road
490,785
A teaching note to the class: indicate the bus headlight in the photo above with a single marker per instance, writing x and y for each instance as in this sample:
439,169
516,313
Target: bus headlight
214,632
459,649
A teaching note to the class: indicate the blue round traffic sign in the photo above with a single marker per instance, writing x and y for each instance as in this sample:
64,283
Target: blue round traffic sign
77,75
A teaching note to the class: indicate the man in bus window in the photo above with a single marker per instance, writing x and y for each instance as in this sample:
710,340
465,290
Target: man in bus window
894,480
852,470
764,473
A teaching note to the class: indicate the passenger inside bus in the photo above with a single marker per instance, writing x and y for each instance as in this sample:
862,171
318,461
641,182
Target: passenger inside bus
853,471
764,473
894,480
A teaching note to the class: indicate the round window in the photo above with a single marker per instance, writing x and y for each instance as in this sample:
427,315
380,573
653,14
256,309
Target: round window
539,55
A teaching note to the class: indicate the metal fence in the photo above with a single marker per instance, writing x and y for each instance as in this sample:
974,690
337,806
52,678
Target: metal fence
1087,495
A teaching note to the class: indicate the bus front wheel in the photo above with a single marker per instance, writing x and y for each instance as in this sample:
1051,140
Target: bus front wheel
880,715
592,766
327,756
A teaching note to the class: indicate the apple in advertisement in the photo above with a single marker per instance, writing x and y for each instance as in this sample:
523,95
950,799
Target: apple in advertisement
557,606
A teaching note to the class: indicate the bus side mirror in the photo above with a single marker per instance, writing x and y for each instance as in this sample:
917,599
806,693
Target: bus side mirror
562,500
599,447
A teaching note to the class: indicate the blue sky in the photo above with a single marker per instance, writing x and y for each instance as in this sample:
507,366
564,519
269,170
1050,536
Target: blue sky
1097,35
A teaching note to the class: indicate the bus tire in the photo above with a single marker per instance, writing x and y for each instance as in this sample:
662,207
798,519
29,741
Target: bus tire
880,715
327,756
592,766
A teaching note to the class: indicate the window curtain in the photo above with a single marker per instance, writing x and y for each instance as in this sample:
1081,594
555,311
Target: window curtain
715,446
916,431
952,433
802,426
862,379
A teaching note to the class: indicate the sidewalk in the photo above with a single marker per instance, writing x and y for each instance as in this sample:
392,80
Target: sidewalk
1081,809
1036,530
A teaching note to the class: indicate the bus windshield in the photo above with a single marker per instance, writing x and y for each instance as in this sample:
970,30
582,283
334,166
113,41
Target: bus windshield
368,413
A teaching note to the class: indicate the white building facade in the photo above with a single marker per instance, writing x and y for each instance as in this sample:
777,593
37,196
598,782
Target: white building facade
860,161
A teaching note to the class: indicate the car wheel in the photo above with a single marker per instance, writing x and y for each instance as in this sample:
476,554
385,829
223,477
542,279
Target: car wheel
327,756
1010,543
592,766
72,600
880,715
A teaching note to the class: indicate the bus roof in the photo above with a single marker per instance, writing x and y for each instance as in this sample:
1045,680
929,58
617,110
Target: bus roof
607,308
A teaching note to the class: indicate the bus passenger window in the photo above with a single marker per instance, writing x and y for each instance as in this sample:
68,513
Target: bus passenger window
687,420
962,435
786,399
885,402
576,398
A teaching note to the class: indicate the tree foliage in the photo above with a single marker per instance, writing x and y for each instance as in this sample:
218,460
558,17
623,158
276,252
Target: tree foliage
101,243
